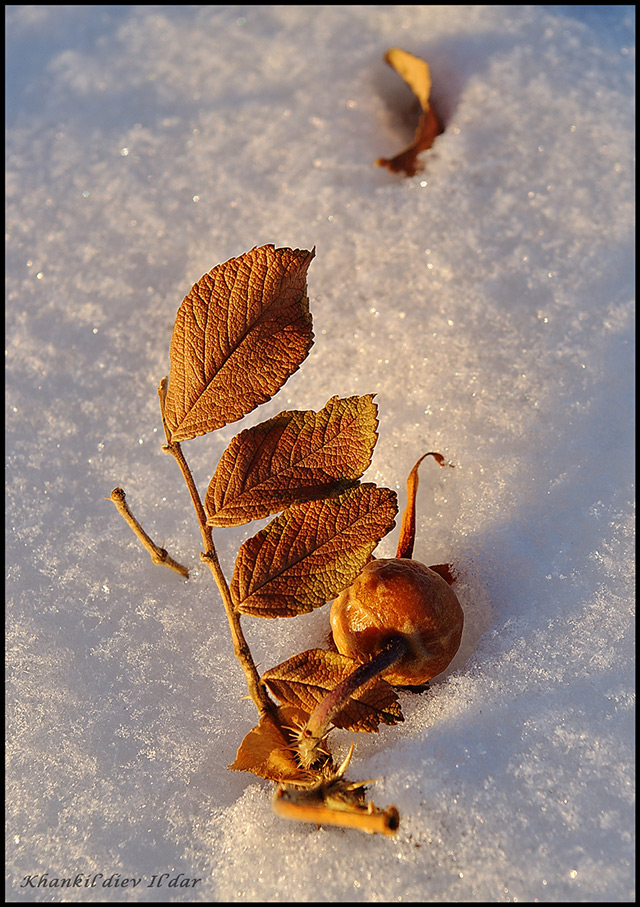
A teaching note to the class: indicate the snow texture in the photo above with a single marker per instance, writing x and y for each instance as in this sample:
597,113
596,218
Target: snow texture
488,302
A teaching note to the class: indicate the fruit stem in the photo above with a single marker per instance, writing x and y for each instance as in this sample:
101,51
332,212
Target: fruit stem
318,724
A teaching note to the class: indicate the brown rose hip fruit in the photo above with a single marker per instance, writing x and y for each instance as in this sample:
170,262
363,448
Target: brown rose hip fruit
398,620
399,597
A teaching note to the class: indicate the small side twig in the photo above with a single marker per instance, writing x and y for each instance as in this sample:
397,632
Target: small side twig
158,555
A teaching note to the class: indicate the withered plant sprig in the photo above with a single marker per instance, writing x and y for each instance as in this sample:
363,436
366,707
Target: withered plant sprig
239,334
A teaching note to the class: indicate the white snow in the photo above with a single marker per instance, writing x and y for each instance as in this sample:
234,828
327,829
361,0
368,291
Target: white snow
488,302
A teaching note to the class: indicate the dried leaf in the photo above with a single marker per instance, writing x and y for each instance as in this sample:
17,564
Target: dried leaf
311,552
295,456
241,331
304,680
446,571
417,75
266,750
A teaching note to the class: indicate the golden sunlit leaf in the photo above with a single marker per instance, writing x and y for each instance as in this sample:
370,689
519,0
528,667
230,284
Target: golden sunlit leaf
305,680
295,456
414,71
311,552
241,331
417,75
266,750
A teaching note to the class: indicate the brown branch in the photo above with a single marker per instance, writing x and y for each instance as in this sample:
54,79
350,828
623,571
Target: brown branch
315,806
257,690
158,555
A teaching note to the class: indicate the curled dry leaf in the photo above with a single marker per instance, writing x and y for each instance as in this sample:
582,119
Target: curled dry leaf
305,680
241,331
267,750
417,75
293,457
311,552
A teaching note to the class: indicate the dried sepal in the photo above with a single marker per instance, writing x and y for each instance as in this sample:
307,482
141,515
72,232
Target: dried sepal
332,800
293,457
408,524
268,750
446,571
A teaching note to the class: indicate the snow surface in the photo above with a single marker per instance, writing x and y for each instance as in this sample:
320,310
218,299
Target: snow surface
488,302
